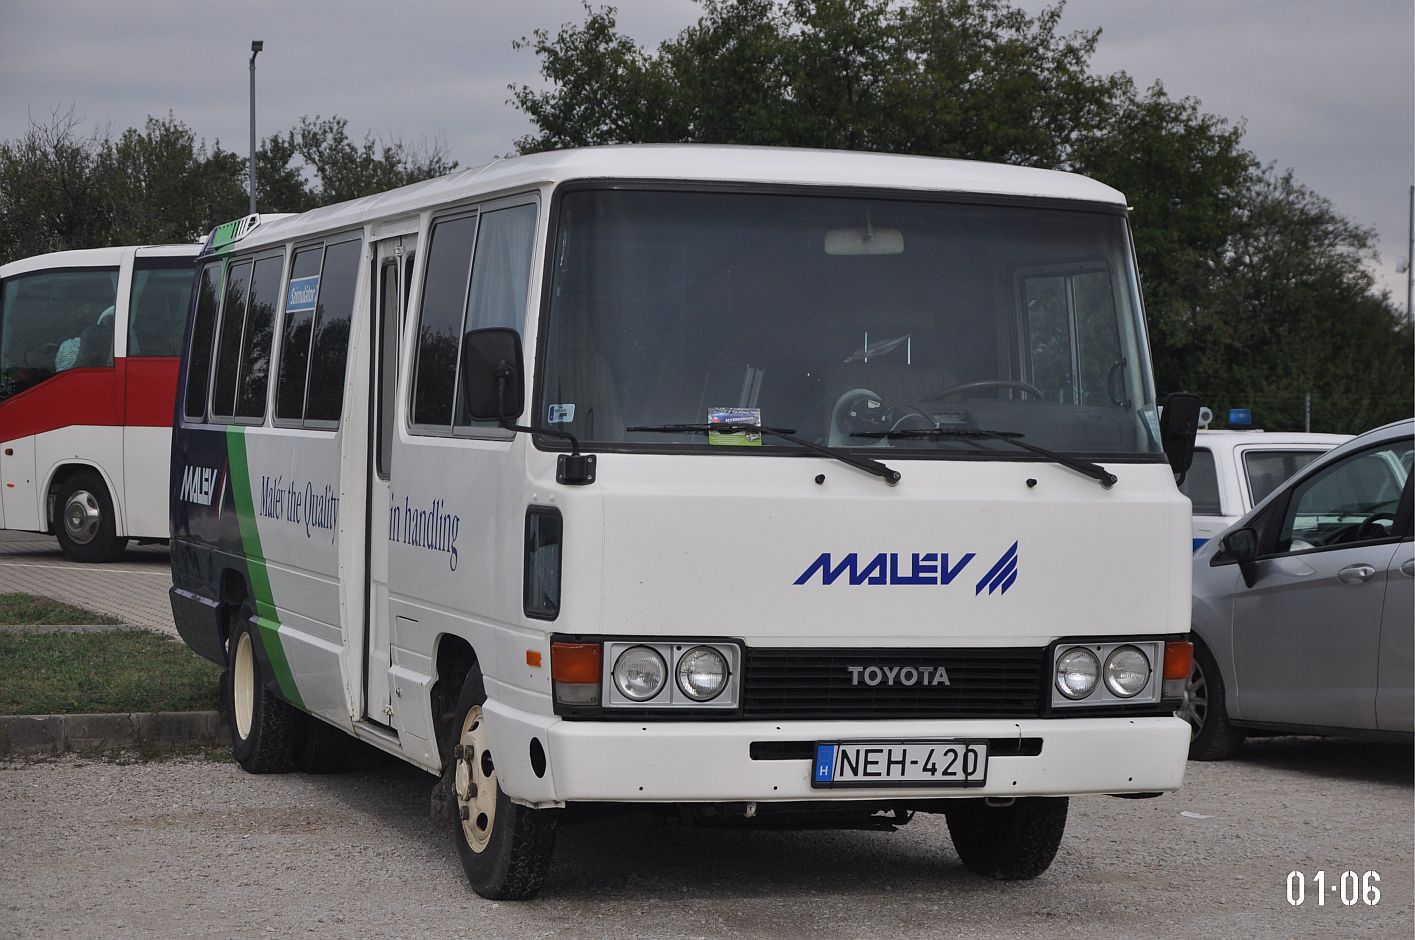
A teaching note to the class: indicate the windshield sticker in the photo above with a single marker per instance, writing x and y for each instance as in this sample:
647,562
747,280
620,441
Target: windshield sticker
302,294
725,417
560,414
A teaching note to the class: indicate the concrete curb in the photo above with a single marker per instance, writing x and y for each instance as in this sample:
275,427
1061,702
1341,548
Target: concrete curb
31,629
41,735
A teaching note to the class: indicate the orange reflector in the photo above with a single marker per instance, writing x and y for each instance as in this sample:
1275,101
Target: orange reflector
1178,659
533,658
575,662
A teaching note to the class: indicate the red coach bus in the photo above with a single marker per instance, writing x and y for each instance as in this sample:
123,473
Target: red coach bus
89,346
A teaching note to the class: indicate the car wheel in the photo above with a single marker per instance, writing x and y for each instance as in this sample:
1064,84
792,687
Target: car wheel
1008,843
1211,736
505,848
265,730
83,519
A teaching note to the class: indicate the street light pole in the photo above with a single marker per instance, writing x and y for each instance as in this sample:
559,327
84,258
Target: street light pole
256,47
1410,260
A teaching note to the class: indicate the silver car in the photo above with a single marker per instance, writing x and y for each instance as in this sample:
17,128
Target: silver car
1304,610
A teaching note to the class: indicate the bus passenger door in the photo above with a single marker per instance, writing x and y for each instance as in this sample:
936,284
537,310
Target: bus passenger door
393,266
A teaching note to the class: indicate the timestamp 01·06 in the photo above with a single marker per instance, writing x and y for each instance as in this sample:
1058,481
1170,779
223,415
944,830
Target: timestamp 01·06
1350,887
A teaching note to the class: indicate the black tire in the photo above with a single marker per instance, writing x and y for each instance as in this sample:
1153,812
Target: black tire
1211,735
84,522
265,730
323,748
505,848
1008,843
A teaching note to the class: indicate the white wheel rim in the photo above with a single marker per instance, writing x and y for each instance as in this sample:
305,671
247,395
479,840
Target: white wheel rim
243,685
476,782
82,517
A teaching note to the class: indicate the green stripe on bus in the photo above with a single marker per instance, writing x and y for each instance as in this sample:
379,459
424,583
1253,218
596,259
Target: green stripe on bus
266,617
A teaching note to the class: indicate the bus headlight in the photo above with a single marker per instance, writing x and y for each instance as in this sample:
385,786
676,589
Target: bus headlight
702,673
1127,672
1077,672
639,673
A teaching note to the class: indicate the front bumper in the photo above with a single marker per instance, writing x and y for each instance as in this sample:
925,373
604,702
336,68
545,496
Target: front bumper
711,761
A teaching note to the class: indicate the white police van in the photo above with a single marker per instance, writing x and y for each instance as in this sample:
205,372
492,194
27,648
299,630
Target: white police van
1233,471
736,482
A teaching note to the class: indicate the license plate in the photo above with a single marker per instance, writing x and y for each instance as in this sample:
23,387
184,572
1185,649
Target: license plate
900,764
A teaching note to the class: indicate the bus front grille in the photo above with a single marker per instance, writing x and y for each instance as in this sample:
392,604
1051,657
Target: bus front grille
801,684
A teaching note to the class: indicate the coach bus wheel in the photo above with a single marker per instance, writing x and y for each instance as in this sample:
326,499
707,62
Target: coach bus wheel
264,730
1008,843
505,848
84,522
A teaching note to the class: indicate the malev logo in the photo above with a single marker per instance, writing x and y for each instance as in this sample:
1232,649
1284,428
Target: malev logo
199,484
939,568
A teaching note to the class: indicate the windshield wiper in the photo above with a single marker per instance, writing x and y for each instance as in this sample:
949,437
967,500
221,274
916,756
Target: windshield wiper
1092,470
787,434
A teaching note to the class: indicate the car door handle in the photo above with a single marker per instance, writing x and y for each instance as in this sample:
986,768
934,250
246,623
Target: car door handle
1355,574
1408,567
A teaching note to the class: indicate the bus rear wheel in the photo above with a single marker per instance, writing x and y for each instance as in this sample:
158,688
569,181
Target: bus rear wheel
265,731
84,523
1016,842
505,848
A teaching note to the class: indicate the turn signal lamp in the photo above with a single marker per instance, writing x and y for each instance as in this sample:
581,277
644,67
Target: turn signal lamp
575,669
1178,663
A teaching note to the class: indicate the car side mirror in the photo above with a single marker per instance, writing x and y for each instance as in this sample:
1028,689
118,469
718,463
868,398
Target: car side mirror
1179,427
492,370
1242,546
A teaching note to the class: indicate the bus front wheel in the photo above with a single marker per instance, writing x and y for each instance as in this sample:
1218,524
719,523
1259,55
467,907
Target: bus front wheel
1015,842
84,522
265,731
505,848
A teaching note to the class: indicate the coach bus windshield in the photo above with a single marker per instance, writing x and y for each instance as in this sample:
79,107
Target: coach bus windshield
859,322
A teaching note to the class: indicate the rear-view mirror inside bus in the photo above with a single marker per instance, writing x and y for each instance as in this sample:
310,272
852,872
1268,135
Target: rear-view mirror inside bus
492,389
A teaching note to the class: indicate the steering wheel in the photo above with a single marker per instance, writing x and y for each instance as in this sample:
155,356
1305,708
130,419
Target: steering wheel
1036,393
1371,528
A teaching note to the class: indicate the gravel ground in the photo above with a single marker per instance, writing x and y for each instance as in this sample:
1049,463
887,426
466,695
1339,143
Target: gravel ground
198,848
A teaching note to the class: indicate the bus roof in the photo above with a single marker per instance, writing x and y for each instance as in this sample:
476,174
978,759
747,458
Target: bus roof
698,163
94,257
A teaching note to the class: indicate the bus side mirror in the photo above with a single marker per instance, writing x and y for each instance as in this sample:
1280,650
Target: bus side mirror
1179,426
492,370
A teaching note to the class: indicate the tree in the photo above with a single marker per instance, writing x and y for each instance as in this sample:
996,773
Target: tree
1256,289
957,78
167,187
53,189
61,188
315,164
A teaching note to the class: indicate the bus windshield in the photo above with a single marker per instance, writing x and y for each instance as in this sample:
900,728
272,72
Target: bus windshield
51,321
847,320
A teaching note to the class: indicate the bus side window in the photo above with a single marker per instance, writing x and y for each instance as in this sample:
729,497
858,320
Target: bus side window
439,334
501,278
255,345
203,328
329,347
295,343
228,343
157,305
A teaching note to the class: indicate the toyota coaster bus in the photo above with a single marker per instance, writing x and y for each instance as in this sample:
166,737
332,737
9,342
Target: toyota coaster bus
89,346
743,483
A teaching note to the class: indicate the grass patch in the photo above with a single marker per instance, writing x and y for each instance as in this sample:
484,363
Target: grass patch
112,671
28,609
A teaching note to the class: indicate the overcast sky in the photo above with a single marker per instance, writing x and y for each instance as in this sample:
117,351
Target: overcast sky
1326,87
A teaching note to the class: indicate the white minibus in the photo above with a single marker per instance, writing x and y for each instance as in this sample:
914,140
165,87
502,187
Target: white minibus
767,485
